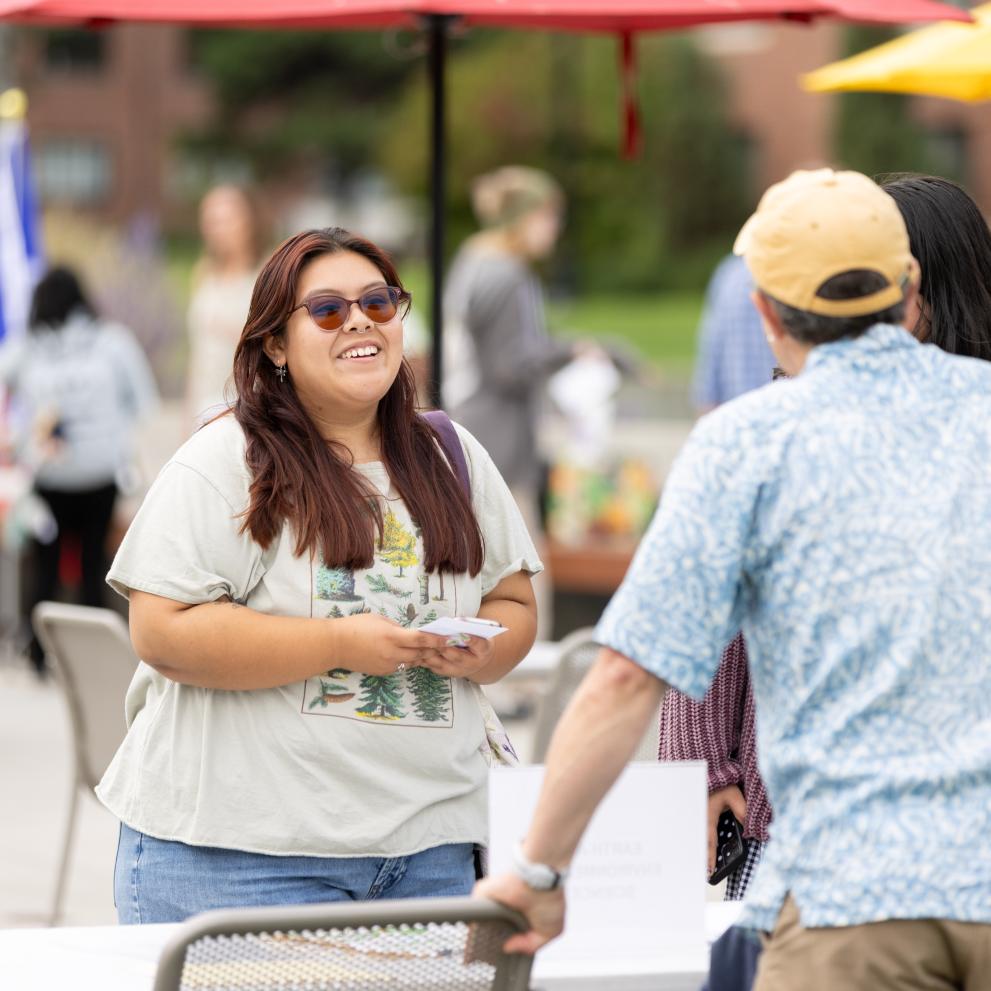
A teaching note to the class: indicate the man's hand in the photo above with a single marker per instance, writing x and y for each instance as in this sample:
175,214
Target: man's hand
544,910
725,798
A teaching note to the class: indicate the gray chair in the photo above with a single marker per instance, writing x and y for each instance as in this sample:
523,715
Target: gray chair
433,944
94,662
576,654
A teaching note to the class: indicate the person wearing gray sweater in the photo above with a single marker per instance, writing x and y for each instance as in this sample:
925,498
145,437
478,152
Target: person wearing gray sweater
78,386
498,354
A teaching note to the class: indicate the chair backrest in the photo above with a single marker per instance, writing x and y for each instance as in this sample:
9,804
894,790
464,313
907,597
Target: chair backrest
94,662
454,944
576,654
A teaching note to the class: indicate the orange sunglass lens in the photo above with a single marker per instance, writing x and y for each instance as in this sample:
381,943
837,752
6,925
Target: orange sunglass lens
329,312
379,305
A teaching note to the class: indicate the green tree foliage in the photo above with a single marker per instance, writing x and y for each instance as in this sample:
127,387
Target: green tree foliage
286,98
337,102
431,694
553,101
875,132
382,697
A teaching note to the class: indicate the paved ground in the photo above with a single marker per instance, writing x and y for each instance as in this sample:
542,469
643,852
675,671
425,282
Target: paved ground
35,779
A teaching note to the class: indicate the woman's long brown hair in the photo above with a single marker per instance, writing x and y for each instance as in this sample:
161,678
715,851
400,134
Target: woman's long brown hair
299,477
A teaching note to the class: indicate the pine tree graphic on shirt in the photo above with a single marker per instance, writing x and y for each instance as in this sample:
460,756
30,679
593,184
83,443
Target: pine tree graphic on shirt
395,587
336,584
382,696
431,694
332,691
378,583
398,545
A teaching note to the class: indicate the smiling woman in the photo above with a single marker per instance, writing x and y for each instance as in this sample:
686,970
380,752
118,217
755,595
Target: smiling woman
293,736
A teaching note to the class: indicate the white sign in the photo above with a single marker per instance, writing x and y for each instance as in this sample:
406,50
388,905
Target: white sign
636,893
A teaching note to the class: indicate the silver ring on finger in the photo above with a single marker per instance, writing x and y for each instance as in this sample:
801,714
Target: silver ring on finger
400,667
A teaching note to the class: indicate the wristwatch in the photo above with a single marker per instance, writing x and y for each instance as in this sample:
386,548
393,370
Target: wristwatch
540,877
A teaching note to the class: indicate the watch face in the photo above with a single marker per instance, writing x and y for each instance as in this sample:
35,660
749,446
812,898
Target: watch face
540,877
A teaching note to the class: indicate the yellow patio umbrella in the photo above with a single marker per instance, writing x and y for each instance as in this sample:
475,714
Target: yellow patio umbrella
948,59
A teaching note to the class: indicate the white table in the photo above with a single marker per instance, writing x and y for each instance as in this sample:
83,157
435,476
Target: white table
124,958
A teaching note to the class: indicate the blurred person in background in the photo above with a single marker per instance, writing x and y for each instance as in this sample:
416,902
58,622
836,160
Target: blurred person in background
80,385
221,291
952,244
733,356
498,354
293,736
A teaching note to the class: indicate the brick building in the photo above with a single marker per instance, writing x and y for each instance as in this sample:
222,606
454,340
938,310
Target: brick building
790,128
104,107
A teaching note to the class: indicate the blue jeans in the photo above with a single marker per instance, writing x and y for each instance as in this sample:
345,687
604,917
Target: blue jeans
733,962
166,881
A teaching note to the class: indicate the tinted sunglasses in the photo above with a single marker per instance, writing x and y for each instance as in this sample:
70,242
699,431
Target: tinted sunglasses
380,305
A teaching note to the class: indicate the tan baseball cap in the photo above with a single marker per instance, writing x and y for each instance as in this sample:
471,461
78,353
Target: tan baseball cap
816,225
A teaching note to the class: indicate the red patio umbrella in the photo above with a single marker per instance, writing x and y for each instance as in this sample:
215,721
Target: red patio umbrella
618,16
574,15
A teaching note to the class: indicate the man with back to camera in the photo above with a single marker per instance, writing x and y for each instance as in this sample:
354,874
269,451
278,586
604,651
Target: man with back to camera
843,520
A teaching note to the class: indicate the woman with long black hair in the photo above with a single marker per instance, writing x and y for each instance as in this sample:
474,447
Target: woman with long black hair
952,244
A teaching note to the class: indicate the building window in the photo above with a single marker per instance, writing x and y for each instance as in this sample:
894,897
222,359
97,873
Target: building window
76,171
75,50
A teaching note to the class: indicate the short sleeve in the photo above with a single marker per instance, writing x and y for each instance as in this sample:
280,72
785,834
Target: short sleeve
681,600
508,545
184,543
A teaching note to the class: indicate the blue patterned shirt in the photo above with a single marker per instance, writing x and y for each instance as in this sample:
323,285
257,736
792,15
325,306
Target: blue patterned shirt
843,520
733,354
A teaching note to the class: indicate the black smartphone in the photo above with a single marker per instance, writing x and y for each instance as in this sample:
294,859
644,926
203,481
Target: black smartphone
731,847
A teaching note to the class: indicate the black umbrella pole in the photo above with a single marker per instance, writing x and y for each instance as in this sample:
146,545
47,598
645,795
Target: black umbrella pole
438,196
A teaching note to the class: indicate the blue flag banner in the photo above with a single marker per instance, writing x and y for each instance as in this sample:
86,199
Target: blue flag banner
21,256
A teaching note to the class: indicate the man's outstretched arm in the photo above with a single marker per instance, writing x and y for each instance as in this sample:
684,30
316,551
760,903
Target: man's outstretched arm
595,739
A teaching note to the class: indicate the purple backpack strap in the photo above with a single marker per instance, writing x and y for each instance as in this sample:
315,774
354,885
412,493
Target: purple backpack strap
451,442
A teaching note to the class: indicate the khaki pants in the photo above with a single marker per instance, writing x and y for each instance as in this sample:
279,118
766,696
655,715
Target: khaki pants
909,954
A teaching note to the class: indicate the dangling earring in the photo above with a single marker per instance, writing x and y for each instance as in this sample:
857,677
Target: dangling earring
280,372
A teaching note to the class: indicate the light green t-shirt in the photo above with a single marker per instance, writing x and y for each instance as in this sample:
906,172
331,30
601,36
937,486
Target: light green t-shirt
342,764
